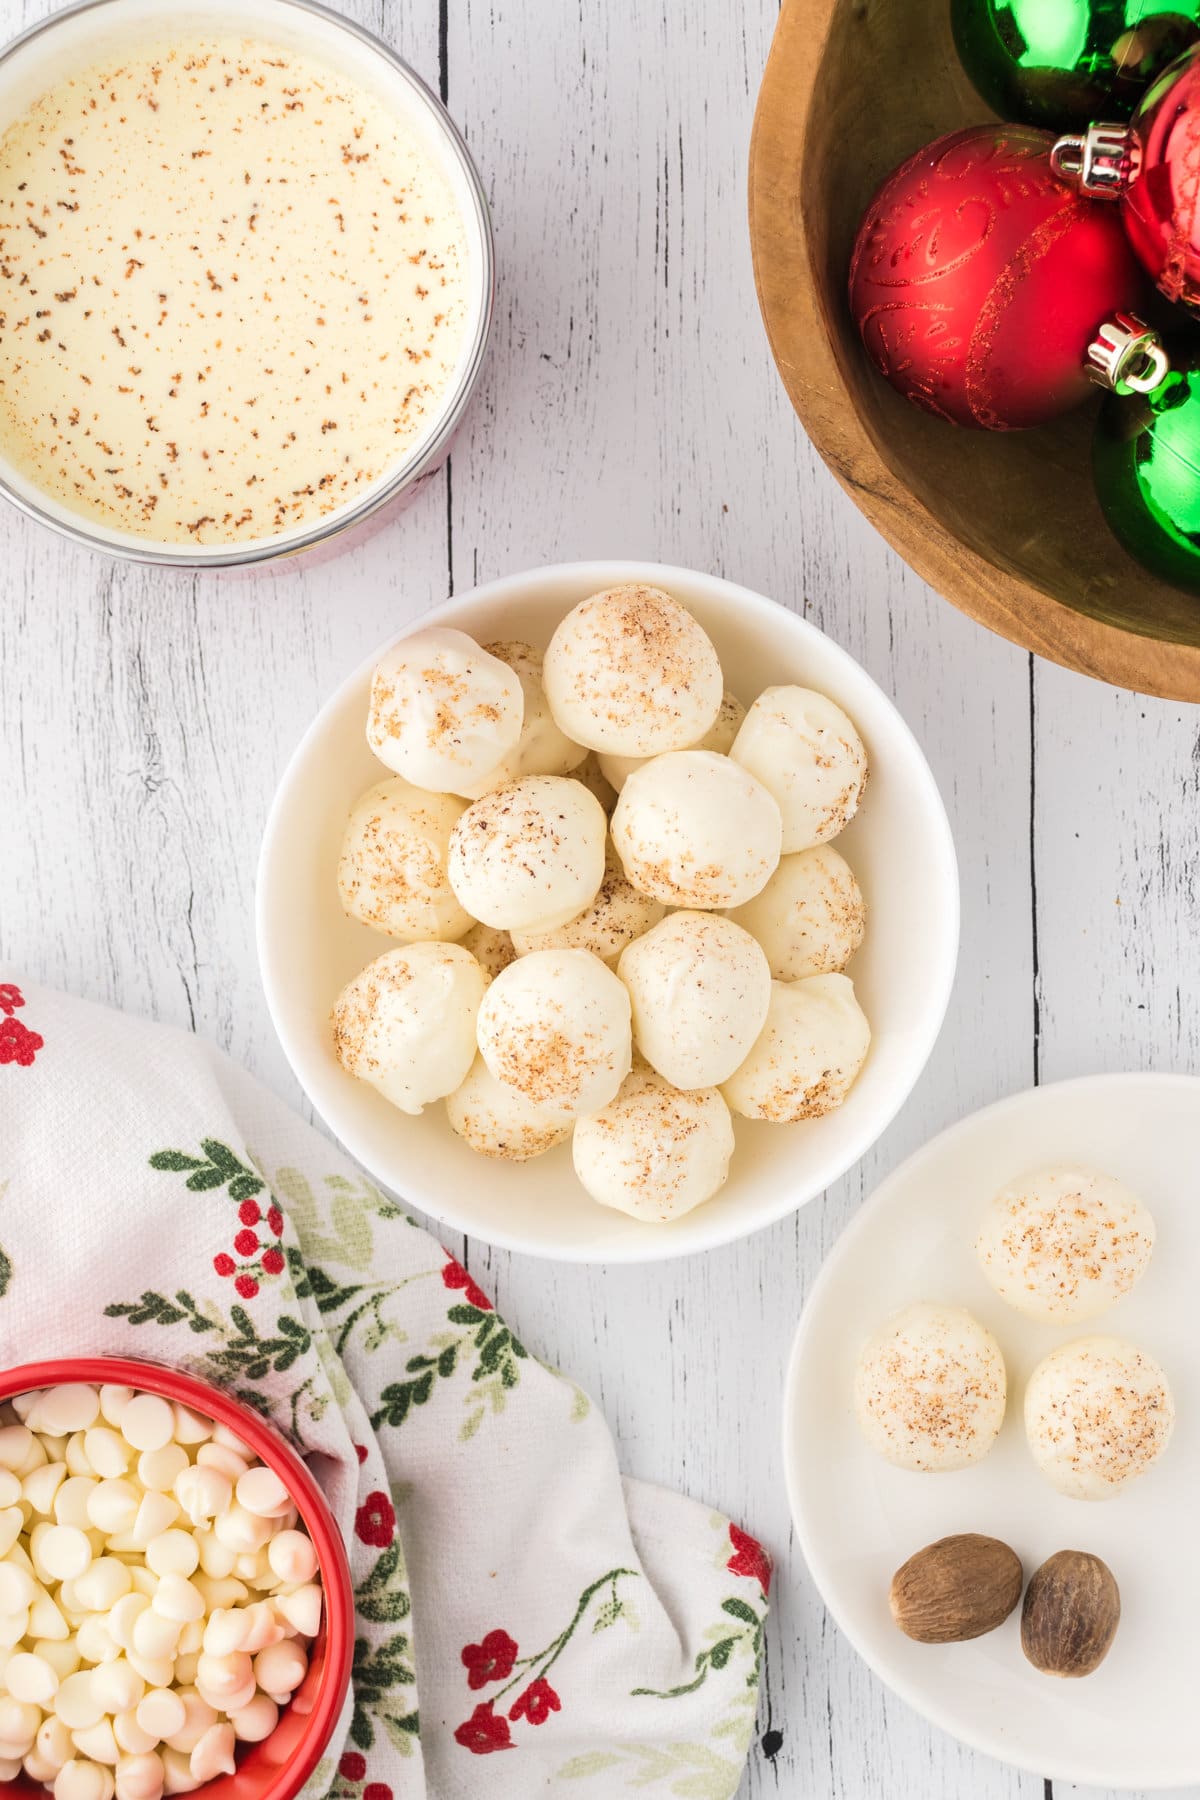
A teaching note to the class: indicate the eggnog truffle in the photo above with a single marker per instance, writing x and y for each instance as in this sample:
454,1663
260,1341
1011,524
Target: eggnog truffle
529,855
1098,1412
654,1152
1064,1243
407,1023
699,988
496,1120
719,737
930,1389
808,753
443,712
810,918
806,1056
493,950
631,671
555,1026
541,749
615,917
392,871
694,829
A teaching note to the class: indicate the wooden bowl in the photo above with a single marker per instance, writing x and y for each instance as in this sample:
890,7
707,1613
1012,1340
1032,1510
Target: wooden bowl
1006,525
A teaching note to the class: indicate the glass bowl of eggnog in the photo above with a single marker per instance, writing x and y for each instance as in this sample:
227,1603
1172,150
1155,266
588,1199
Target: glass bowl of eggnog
246,276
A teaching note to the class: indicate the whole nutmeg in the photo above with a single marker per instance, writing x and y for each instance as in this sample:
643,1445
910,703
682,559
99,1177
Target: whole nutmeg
1071,1612
956,1588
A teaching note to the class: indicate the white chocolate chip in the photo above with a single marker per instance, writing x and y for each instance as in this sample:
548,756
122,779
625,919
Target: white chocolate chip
61,1410
292,1557
107,1451
78,1780
130,1736
256,1720
161,1713
140,1777
30,1677
76,1702
147,1422
214,1754
98,1742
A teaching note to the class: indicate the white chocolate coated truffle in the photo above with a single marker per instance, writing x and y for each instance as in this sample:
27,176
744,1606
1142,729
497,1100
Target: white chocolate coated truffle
541,749
529,855
930,1388
630,670
392,871
808,1054
809,754
810,918
493,950
1098,1412
555,1026
443,712
699,988
719,736
1064,1243
654,1152
498,1121
697,830
407,1023
615,917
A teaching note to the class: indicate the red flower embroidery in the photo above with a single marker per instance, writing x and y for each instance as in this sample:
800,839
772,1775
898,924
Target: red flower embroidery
352,1766
455,1276
246,1286
536,1703
10,997
249,1212
749,1558
273,1261
484,1732
245,1243
275,1222
375,1520
18,1044
490,1661
224,1265
377,1790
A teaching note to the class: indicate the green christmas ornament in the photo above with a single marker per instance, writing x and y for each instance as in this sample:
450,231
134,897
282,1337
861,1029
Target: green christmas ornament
1069,62
1146,458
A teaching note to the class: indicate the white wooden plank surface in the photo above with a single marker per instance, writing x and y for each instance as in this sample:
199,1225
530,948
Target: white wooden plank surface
629,408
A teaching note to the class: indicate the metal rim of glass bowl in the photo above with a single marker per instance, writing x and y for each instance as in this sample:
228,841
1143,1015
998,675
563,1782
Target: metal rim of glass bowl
408,473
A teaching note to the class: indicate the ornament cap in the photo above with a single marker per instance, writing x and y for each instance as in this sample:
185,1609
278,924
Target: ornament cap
1102,162
1127,356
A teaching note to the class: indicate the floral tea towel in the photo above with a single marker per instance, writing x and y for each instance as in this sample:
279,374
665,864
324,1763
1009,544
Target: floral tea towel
527,1622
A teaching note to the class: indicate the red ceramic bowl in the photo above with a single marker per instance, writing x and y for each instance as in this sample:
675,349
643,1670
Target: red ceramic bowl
277,1768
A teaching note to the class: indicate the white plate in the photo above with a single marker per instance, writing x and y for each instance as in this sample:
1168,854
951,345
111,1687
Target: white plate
1134,1722
899,847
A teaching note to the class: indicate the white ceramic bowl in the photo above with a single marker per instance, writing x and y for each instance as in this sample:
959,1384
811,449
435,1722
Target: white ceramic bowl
80,35
899,846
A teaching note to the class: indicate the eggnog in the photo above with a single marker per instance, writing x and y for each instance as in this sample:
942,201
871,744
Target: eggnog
233,291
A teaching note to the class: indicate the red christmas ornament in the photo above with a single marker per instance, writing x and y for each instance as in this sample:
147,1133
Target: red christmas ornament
1152,166
980,281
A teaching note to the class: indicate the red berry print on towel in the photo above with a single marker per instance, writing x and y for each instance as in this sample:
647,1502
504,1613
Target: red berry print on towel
455,1276
375,1520
491,1660
352,1766
377,1790
536,1703
484,1732
496,1658
18,1044
749,1558
10,998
